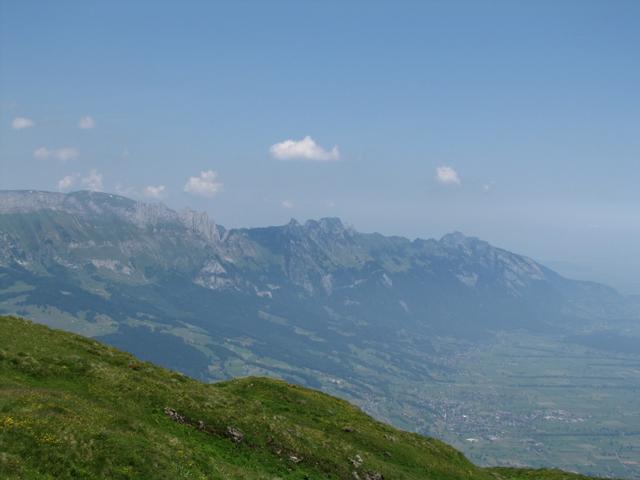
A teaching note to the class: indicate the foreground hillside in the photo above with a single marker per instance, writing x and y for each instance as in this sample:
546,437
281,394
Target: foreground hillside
73,408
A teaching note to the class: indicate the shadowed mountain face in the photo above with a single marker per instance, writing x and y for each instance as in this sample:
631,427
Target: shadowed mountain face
316,303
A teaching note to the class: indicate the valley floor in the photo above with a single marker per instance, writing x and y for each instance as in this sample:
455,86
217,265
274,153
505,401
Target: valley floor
536,400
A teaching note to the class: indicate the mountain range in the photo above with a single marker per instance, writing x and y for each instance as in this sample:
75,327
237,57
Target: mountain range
363,316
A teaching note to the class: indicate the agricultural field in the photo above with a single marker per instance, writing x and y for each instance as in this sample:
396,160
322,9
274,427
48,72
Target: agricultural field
537,400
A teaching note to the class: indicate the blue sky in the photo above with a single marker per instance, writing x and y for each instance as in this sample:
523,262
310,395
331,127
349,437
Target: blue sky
533,108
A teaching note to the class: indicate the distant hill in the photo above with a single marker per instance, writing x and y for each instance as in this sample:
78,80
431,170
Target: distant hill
72,408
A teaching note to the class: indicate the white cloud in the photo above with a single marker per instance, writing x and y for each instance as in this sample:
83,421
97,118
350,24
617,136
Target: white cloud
204,185
66,153
93,181
19,123
42,153
156,192
63,154
68,181
287,204
305,149
86,123
447,176
487,187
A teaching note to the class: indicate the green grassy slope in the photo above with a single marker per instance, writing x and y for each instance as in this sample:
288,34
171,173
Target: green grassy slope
530,474
71,407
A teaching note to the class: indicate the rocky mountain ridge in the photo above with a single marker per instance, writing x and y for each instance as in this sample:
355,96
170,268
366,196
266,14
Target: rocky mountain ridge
138,243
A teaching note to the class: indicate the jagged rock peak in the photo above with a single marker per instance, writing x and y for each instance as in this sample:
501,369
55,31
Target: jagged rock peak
454,238
331,226
200,223
459,239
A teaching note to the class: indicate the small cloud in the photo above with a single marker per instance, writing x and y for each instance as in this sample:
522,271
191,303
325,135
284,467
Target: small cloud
487,187
86,123
156,192
63,154
204,185
65,183
305,149
447,176
286,204
66,153
331,204
20,123
93,181
42,153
